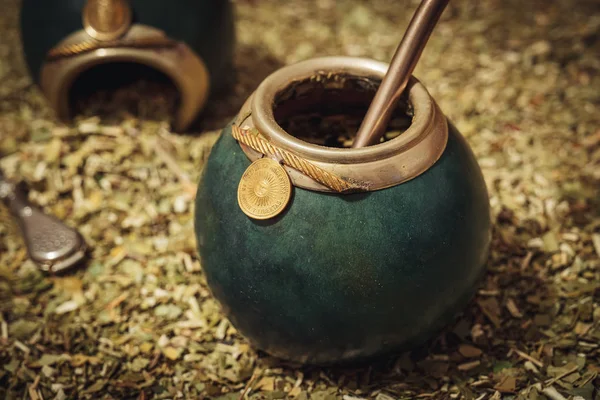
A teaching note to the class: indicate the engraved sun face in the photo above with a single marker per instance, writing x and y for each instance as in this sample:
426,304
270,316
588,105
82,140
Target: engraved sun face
267,189
264,189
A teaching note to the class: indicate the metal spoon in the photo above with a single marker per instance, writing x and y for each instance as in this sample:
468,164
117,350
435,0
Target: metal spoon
52,245
403,64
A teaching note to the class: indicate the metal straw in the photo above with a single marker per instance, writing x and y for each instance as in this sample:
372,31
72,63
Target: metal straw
403,63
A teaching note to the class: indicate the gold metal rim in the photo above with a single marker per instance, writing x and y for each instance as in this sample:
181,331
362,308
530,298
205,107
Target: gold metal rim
262,109
378,166
180,63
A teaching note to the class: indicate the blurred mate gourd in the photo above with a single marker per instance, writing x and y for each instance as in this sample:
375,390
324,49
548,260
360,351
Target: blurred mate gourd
190,41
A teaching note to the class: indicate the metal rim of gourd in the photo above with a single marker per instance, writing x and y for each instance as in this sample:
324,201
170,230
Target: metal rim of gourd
378,166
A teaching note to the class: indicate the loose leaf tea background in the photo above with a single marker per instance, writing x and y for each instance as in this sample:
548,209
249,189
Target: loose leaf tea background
520,80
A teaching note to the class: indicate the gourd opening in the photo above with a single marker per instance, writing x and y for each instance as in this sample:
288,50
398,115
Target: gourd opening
121,88
327,109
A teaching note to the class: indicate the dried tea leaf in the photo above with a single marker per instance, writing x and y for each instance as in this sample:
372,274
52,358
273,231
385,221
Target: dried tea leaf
66,307
228,396
266,383
383,396
563,371
550,241
171,352
507,384
22,329
329,394
168,311
49,359
139,363
278,394
469,351
12,366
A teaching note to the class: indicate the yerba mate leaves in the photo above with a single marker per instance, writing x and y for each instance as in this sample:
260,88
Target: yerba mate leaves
519,79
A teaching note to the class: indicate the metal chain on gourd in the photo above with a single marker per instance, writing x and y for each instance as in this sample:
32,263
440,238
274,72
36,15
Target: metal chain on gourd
261,145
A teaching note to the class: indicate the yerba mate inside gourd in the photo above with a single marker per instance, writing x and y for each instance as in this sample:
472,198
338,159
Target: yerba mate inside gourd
328,109
124,88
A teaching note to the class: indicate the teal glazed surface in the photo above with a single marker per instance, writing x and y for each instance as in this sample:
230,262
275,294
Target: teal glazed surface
207,26
343,277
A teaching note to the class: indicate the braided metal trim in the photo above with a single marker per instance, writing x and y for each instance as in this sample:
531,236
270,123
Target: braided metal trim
258,143
91,45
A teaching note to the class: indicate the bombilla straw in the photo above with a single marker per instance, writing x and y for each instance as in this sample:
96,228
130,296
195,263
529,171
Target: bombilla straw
52,245
403,63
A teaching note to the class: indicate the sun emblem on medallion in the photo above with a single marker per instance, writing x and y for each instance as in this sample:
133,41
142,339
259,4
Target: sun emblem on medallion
264,190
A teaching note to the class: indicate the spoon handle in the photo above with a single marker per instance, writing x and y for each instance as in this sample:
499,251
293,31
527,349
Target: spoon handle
52,245
403,64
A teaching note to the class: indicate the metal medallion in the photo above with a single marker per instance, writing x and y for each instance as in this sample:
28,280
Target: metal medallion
106,19
264,190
